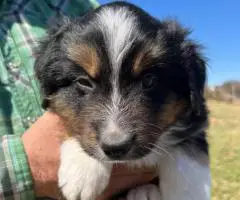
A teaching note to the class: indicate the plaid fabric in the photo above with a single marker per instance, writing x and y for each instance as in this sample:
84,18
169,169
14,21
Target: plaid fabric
22,23
16,182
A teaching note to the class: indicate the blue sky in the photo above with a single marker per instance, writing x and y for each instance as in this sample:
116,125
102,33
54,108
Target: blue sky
215,24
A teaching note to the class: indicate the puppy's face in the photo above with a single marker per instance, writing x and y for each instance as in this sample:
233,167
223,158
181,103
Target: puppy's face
122,81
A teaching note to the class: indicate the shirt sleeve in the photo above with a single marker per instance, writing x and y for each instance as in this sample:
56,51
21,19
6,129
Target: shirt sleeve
15,176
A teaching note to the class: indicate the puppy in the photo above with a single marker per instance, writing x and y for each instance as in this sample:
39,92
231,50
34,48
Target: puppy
130,89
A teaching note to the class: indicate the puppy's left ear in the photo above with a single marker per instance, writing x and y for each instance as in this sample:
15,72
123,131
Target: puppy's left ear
195,64
192,60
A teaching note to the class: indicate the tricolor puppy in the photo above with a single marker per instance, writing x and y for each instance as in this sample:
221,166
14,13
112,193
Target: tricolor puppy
130,89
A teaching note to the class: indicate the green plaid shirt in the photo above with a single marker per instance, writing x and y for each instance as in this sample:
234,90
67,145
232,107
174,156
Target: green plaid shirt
22,23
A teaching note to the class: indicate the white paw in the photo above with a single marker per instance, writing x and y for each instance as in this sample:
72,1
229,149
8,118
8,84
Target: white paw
80,176
145,192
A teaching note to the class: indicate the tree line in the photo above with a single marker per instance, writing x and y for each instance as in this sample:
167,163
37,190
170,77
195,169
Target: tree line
229,91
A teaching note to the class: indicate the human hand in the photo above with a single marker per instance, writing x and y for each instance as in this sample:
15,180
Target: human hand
124,178
42,145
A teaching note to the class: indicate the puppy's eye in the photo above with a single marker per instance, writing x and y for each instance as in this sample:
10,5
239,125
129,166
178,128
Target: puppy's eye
149,81
84,83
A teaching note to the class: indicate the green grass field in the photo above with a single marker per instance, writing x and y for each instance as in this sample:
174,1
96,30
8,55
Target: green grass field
224,139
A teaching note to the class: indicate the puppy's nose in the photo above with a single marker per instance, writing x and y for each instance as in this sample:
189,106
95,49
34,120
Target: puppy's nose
116,146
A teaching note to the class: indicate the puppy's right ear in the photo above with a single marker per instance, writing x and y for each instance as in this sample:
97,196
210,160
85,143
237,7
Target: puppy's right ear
47,52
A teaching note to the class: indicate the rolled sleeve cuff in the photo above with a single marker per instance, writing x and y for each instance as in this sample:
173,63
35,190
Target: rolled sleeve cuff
15,175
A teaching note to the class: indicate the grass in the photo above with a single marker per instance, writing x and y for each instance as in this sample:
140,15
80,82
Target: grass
224,139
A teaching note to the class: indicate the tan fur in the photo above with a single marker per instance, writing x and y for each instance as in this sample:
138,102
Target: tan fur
60,107
146,58
171,111
74,124
86,57
140,61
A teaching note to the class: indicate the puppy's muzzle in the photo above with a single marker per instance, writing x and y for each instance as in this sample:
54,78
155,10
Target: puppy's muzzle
116,145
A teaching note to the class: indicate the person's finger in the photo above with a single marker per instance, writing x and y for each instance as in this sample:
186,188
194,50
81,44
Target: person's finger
120,183
122,170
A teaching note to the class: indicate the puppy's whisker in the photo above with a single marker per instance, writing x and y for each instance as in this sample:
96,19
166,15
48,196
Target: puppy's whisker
155,151
163,150
153,125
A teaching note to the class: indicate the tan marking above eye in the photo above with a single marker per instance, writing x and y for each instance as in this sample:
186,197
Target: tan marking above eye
85,56
146,57
140,61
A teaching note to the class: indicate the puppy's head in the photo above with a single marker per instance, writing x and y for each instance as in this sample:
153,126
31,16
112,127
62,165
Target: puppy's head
123,81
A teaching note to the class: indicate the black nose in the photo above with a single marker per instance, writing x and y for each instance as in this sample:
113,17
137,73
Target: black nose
117,151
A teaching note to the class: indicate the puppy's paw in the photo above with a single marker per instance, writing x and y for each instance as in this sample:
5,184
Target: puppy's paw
145,192
80,176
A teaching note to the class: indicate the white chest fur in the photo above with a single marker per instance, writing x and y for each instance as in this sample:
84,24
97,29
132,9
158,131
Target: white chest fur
182,178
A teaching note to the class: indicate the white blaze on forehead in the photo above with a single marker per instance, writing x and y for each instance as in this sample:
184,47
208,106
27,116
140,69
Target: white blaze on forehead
118,26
